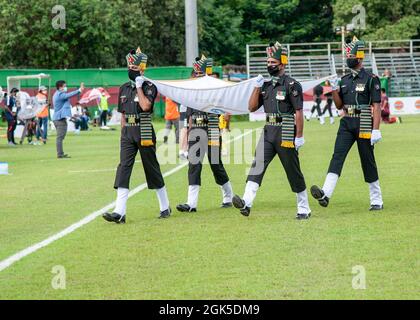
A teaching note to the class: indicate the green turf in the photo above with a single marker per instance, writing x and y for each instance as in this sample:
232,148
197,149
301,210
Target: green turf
215,253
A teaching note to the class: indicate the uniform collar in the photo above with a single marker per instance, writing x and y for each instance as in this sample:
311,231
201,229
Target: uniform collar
358,73
132,83
278,80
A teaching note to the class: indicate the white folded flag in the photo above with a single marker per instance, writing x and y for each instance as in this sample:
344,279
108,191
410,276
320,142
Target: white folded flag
214,95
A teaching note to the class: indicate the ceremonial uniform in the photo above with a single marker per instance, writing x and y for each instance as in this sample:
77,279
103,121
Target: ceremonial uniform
137,135
204,137
281,97
328,107
318,90
358,91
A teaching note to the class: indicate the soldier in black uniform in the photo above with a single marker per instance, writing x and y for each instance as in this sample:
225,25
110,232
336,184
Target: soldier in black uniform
318,91
359,95
282,98
204,136
328,105
135,102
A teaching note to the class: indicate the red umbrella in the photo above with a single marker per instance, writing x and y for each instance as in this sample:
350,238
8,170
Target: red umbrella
93,95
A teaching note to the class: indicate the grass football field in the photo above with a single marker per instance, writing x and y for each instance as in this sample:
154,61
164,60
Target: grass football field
214,253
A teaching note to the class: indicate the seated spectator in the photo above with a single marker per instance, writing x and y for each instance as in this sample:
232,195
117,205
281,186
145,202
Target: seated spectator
385,111
85,118
76,117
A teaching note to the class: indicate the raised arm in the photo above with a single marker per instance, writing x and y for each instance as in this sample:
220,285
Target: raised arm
254,100
145,101
253,104
336,93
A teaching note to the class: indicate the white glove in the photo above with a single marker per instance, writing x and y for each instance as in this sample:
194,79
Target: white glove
335,83
376,137
259,81
299,142
139,82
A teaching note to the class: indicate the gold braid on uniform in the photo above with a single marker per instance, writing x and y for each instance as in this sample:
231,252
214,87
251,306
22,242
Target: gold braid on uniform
366,122
287,124
213,130
146,136
287,130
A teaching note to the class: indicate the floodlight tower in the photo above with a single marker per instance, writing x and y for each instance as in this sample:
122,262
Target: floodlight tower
191,33
343,31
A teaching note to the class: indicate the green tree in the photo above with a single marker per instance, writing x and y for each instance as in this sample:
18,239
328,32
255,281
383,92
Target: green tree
219,31
385,20
97,34
227,26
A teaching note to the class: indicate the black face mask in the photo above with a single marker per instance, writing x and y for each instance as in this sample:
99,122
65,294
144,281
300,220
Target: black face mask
352,62
273,70
133,74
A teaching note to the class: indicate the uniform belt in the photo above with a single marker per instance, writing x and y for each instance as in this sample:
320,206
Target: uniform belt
273,119
200,121
354,111
132,120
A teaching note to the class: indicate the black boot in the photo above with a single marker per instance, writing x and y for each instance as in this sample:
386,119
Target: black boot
165,214
376,207
185,208
303,216
226,205
114,217
239,203
319,195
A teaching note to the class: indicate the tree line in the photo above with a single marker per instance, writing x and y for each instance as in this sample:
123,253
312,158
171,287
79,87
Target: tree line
99,33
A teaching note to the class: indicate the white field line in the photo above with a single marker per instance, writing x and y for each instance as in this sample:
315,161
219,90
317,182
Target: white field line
4,264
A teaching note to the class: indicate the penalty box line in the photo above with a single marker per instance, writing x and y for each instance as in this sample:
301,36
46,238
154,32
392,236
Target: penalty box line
6,263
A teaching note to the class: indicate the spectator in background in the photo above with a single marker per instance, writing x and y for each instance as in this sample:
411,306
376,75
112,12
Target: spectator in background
11,116
183,133
328,105
318,91
62,111
172,119
104,110
42,128
385,111
387,73
85,119
76,117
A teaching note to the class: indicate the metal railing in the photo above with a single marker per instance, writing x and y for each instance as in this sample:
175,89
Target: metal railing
311,60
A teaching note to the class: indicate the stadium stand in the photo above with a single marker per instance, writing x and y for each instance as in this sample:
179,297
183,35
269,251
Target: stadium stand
309,61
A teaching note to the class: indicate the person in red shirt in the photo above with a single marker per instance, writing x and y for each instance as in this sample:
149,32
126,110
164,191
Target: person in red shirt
385,112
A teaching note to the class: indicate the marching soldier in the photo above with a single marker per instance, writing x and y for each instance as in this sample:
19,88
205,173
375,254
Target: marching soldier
359,96
328,105
318,91
282,98
135,102
204,136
